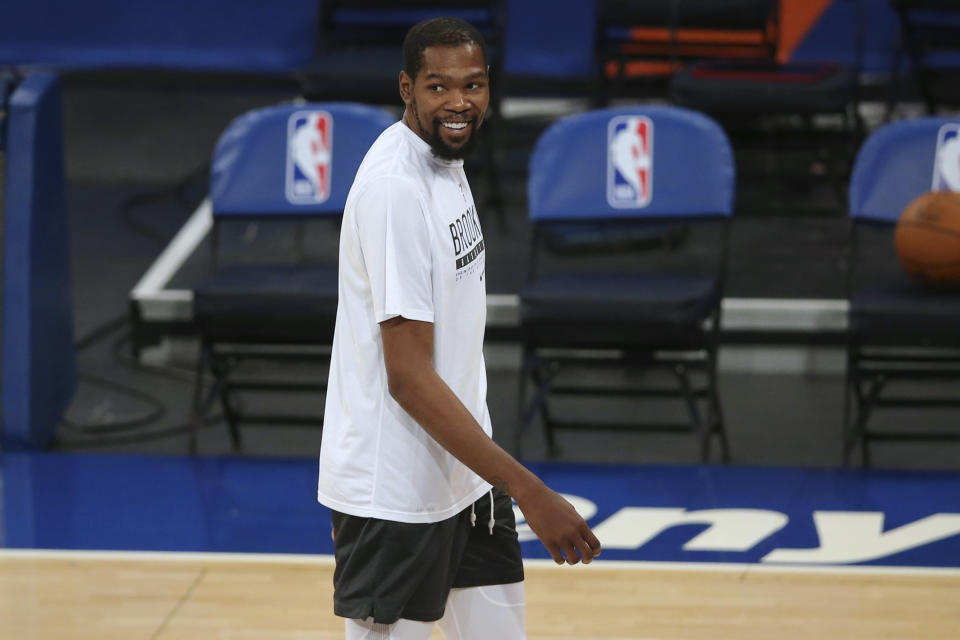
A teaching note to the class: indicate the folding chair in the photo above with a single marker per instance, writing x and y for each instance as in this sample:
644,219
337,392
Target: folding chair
280,177
930,37
640,44
904,338
802,117
630,209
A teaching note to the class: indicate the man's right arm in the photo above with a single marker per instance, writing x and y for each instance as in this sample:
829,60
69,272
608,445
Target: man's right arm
416,386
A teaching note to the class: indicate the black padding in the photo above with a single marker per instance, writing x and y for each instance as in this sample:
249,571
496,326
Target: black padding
363,72
711,14
761,86
906,311
627,309
268,303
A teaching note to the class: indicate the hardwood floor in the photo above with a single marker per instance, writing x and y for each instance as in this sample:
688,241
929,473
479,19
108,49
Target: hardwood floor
106,596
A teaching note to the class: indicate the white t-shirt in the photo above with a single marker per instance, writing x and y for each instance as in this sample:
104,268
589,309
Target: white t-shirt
410,246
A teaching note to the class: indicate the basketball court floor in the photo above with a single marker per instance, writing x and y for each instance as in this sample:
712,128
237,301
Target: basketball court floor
117,533
107,546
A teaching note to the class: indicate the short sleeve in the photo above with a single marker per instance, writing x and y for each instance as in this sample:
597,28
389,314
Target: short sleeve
395,242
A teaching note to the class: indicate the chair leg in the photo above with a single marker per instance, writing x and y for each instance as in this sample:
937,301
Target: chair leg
201,403
222,372
715,415
698,424
865,416
232,418
538,403
865,405
542,404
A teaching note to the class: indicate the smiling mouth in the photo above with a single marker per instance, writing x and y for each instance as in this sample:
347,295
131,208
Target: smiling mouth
456,126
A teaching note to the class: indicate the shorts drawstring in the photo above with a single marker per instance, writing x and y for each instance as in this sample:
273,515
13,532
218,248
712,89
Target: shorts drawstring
473,514
491,522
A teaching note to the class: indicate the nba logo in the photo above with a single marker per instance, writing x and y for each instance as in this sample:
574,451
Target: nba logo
629,162
946,164
309,153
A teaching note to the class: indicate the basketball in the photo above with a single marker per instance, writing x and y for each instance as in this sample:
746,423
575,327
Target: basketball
927,239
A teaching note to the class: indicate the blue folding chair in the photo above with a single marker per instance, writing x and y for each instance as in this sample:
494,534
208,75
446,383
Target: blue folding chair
900,332
630,209
272,291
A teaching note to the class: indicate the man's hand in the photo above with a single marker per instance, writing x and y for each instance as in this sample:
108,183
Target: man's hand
419,390
558,525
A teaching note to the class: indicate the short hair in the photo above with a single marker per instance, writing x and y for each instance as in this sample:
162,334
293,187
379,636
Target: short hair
438,32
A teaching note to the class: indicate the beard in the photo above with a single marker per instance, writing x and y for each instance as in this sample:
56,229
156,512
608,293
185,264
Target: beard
441,149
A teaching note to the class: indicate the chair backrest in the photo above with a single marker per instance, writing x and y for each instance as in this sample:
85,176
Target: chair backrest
384,23
930,35
631,163
931,27
902,160
293,159
658,35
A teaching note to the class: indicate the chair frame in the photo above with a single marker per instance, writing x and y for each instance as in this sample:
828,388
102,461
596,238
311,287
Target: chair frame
222,358
682,44
872,365
541,364
916,51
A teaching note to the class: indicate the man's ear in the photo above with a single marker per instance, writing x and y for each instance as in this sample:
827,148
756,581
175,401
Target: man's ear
406,87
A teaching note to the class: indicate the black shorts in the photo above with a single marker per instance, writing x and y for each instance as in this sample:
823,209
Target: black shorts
390,570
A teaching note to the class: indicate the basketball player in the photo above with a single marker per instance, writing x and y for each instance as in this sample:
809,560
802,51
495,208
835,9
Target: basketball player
420,493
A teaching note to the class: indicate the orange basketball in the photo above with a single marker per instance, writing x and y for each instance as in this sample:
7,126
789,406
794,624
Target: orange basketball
927,238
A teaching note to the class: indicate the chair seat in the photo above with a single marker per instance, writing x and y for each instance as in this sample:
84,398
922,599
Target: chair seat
631,309
268,303
762,87
906,312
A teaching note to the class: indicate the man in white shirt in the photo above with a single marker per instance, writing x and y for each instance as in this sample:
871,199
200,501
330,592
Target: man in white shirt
407,462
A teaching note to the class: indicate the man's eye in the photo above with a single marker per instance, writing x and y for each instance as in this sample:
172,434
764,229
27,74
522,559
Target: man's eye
435,87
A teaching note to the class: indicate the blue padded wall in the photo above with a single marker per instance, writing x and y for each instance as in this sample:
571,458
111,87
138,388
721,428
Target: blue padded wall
245,35
38,368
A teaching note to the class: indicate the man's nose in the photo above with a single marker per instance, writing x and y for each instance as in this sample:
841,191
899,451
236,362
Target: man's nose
458,101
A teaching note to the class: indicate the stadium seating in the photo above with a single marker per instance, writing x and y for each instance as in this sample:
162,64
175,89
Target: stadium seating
360,54
360,44
641,43
930,38
630,210
286,166
902,334
772,106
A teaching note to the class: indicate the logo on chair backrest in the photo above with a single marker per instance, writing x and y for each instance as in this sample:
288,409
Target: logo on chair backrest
629,161
309,155
946,166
